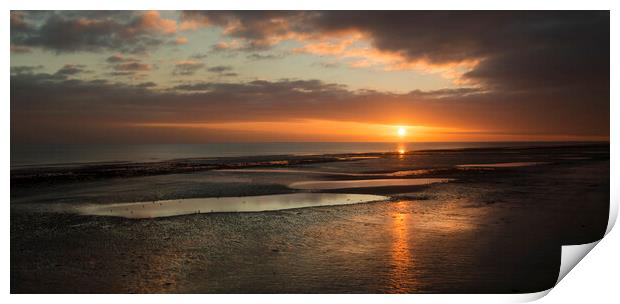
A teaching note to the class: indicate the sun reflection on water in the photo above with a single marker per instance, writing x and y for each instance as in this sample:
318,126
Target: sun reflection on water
402,260
401,149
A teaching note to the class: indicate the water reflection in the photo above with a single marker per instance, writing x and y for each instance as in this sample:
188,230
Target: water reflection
502,165
402,261
402,150
226,204
299,171
155,272
366,183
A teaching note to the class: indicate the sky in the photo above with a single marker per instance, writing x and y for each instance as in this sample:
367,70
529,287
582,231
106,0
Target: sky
253,76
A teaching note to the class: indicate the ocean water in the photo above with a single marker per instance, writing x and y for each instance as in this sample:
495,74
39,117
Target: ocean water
56,154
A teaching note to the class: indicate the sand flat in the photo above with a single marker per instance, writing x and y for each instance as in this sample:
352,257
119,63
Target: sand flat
367,183
164,208
502,165
299,171
457,237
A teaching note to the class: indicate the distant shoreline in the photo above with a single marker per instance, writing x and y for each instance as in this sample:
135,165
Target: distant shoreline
71,172
500,145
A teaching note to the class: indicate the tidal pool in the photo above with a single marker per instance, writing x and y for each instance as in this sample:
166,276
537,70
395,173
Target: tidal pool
366,183
298,171
502,165
174,207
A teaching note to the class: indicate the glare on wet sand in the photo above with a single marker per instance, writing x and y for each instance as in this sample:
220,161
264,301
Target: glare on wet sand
366,183
502,165
165,208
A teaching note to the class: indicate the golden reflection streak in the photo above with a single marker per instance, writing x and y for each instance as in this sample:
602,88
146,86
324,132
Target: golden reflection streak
158,271
401,149
401,258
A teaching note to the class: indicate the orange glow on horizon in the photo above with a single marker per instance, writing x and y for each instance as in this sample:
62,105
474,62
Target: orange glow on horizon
308,130
337,131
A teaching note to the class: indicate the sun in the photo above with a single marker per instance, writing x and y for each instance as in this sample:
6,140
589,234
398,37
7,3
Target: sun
401,131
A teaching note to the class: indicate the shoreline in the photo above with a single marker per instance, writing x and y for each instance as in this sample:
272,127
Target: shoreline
66,173
508,146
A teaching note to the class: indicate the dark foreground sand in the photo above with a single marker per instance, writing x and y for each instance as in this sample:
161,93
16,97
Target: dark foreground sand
489,231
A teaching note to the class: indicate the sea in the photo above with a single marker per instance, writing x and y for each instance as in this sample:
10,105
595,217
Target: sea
33,155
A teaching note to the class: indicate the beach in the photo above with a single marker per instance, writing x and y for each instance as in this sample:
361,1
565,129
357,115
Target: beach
478,220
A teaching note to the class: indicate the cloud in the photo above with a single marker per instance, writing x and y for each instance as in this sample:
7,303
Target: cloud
258,56
228,46
124,73
499,50
127,66
187,67
71,70
199,56
44,101
518,72
25,69
19,49
223,71
151,22
132,67
18,23
258,29
220,69
148,84
180,41
67,32
329,65
117,58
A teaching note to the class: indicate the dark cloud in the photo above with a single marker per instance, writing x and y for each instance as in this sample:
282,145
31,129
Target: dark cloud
18,49
199,56
45,102
538,72
517,50
149,84
220,69
18,23
258,27
258,56
70,70
132,73
446,93
187,67
132,67
117,58
25,69
64,32
127,66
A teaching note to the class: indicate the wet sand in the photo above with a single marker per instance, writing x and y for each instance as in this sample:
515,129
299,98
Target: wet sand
502,165
369,183
258,203
485,231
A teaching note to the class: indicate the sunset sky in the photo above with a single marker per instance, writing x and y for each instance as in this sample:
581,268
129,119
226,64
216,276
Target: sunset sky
198,77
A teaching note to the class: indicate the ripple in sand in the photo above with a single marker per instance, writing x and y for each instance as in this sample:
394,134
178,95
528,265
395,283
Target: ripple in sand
226,204
501,165
366,183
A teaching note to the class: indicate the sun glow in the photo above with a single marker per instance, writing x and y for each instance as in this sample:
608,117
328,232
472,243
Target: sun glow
311,130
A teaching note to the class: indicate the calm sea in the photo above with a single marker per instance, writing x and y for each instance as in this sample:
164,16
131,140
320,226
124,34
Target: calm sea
36,155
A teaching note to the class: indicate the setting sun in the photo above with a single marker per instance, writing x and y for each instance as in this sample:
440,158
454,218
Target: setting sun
402,131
